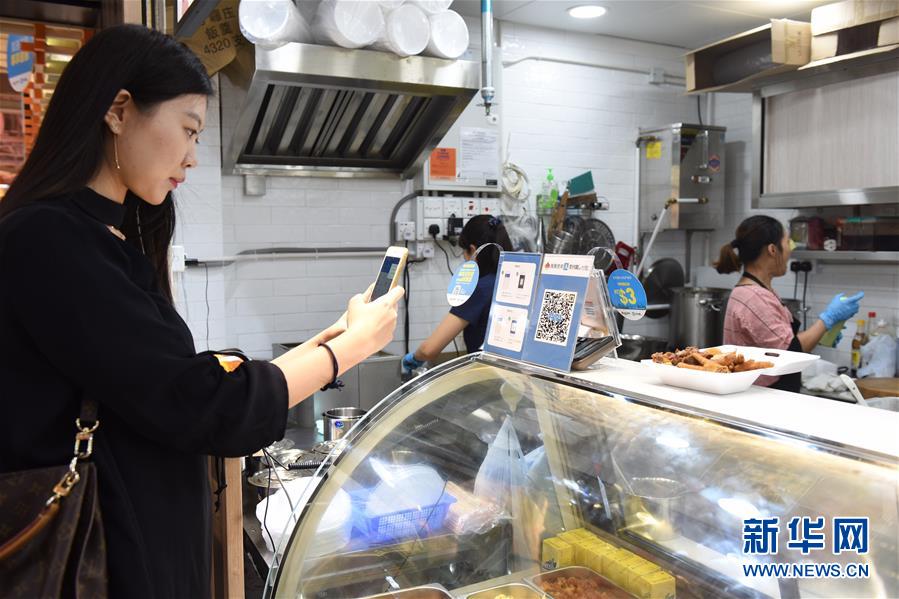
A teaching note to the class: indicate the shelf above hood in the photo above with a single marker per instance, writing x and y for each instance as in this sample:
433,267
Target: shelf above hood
312,110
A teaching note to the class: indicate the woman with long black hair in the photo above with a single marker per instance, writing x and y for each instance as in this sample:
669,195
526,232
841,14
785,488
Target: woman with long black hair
86,315
470,318
755,315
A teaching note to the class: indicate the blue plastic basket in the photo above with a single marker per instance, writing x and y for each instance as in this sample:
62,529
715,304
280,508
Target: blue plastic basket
401,525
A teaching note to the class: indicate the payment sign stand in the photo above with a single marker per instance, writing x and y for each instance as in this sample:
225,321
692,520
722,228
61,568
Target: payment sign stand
538,305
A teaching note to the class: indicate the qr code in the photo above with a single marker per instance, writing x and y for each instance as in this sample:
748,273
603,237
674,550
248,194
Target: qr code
555,317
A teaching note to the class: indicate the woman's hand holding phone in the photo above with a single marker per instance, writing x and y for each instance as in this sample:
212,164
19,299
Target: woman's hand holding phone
373,322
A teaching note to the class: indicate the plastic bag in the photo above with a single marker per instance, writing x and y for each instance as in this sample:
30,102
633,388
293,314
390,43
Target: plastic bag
878,357
273,23
523,231
406,31
348,23
503,470
470,514
503,478
449,35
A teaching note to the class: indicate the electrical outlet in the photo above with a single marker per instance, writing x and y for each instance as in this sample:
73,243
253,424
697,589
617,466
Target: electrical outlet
427,249
405,231
177,257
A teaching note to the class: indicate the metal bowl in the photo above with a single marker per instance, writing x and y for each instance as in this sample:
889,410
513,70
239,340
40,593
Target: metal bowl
326,447
287,456
261,479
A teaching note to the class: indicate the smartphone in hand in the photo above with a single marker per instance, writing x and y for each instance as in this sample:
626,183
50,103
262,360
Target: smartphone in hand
391,271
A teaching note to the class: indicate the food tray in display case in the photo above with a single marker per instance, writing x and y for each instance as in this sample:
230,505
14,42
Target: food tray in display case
513,590
650,495
576,582
428,591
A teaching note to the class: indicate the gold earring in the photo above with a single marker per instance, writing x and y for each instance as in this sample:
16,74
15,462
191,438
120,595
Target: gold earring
115,150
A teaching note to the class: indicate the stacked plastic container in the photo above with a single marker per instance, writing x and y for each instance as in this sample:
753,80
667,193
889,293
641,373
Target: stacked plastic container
403,27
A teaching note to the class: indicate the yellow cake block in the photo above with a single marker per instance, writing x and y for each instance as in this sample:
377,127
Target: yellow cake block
570,536
655,585
557,553
596,553
637,570
617,570
612,557
583,547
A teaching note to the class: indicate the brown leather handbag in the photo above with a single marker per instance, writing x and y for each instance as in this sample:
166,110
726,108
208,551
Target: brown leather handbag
51,533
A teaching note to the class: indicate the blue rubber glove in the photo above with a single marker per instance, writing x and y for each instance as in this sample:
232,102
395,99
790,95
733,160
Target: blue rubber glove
410,363
841,308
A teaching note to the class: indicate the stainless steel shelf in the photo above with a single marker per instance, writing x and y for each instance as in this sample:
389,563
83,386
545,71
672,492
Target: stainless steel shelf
839,197
838,257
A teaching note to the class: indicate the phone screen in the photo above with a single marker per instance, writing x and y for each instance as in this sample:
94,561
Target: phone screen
385,277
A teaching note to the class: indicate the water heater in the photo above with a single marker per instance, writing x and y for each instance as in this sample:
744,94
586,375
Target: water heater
682,162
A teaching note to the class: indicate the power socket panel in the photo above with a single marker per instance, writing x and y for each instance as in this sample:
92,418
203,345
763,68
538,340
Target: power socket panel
405,230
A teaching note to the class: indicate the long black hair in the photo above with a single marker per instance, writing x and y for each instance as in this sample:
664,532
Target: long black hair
68,151
483,229
752,237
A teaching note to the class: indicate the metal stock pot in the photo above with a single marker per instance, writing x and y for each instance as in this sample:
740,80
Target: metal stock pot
697,316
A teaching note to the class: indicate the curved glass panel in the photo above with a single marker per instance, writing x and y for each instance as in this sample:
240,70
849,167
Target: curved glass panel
460,478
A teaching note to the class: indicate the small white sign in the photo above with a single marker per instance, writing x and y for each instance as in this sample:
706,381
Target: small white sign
516,282
508,327
479,154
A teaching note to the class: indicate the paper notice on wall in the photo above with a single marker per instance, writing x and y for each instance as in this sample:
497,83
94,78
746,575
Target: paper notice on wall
479,154
218,39
443,164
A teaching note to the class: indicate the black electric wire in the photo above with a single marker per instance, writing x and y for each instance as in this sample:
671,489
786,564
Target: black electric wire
206,293
795,284
407,280
448,267
268,489
699,109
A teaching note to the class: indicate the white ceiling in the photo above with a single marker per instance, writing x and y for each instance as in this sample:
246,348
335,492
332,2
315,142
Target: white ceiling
684,23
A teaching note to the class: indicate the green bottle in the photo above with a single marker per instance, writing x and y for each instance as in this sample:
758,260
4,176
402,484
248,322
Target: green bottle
549,196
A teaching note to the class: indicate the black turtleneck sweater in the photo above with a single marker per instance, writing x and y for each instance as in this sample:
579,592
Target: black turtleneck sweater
81,316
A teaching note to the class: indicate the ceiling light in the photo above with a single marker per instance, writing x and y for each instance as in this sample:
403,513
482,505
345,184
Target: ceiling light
588,11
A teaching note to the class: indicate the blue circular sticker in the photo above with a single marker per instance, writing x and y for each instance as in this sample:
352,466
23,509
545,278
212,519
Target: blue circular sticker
463,283
627,294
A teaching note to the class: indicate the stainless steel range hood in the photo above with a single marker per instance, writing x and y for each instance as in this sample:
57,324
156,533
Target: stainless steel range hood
321,111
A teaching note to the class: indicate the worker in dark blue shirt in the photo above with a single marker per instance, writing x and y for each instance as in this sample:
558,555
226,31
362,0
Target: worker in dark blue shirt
470,318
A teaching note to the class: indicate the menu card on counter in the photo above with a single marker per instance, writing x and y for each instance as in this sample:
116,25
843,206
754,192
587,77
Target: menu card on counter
537,305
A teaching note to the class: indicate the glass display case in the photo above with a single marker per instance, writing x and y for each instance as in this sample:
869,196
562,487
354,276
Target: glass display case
484,473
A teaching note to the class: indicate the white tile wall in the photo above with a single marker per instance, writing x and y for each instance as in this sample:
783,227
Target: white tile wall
880,282
576,118
253,304
571,118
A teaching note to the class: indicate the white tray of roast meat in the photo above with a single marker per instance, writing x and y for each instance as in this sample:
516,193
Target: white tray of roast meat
723,383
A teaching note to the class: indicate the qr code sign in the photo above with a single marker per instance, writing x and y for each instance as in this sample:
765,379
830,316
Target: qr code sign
555,316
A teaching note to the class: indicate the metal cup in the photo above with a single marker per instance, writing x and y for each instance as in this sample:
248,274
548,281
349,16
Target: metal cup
340,420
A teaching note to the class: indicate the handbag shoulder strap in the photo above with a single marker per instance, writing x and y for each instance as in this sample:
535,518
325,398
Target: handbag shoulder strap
87,424
89,410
